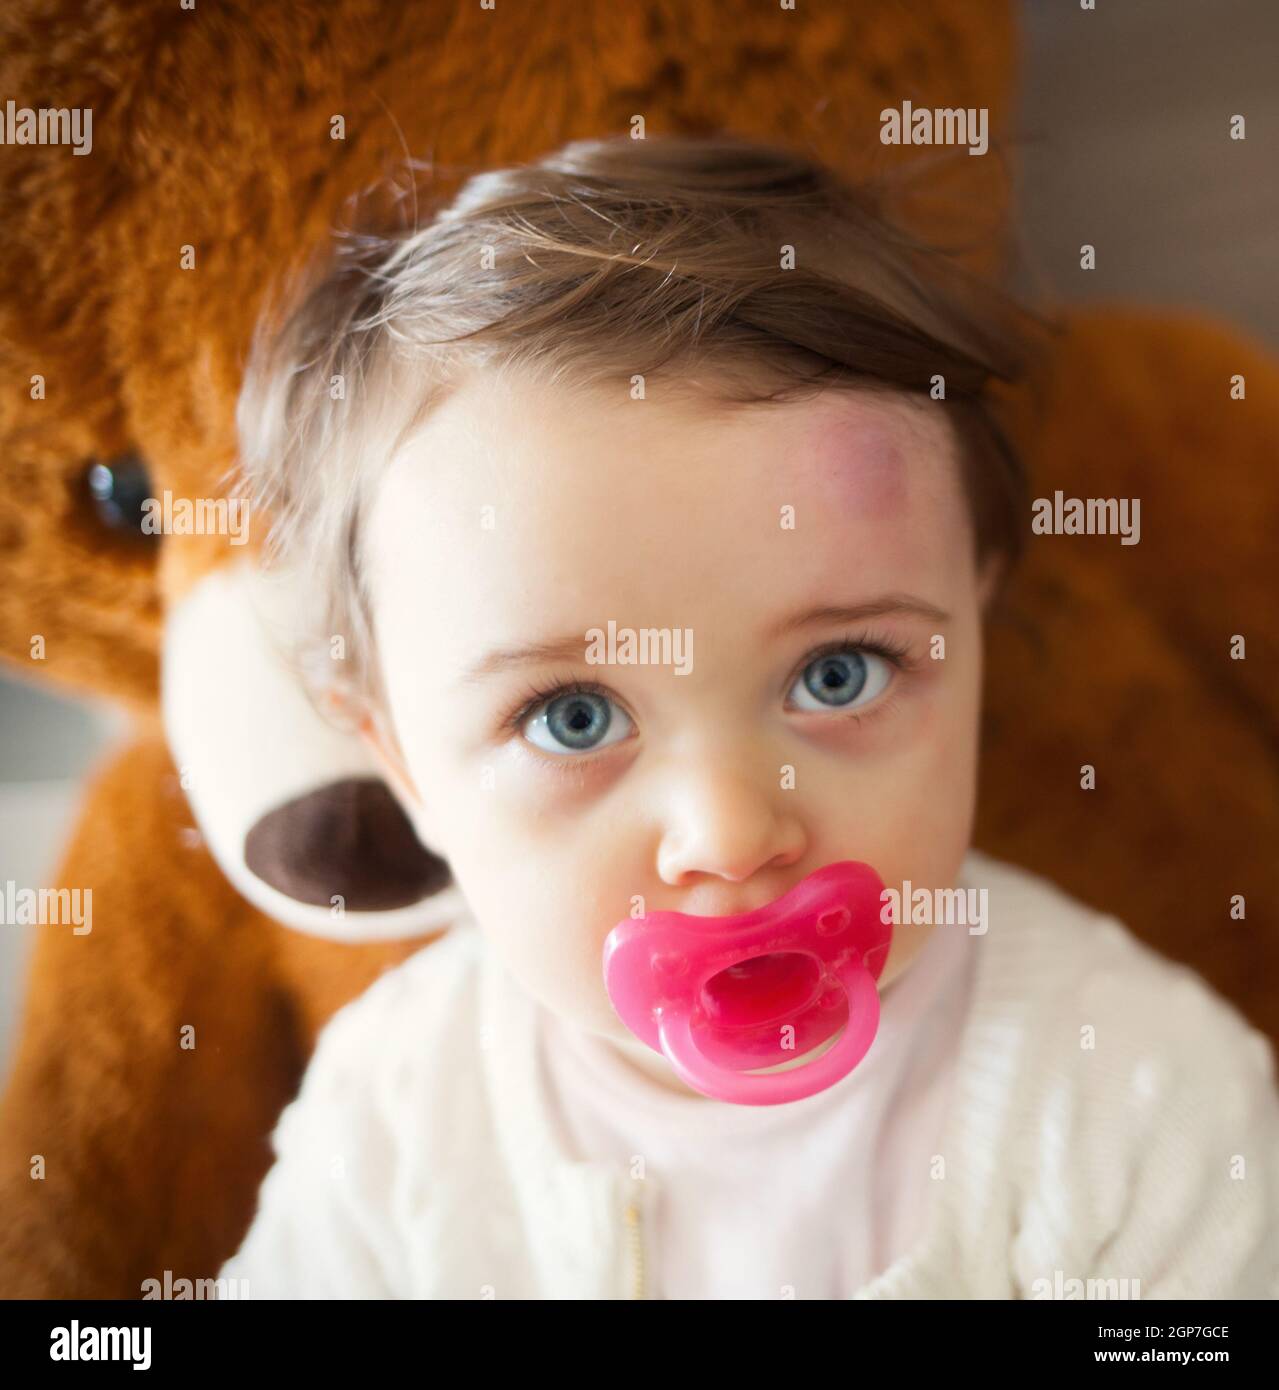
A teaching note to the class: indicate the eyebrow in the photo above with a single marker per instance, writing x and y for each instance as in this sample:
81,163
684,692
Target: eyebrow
895,605
572,646
568,648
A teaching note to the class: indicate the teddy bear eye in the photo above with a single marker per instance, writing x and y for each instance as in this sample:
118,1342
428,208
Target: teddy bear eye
117,489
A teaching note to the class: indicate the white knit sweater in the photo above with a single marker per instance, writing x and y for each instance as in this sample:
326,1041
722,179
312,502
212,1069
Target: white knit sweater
1113,1120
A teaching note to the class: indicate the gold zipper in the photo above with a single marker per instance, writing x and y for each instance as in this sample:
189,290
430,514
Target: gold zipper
635,1240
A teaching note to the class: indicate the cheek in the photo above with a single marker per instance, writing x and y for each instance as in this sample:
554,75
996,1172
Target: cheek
932,805
915,775
540,916
944,771
545,790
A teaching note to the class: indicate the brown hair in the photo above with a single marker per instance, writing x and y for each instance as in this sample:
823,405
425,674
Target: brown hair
610,259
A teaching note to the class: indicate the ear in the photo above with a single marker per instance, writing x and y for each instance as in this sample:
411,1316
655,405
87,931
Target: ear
293,809
377,734
374,732
989,577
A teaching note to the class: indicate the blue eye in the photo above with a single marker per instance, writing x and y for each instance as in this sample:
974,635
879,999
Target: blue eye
841,679
579,721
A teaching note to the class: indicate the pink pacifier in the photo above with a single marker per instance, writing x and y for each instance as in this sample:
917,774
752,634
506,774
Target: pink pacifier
721,996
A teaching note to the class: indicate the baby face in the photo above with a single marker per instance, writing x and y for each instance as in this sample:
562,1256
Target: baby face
802,560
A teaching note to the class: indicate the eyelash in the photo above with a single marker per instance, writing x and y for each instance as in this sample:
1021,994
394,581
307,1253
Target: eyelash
896,653
537,695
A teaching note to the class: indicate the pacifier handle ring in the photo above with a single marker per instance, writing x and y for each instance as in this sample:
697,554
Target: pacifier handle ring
675,1032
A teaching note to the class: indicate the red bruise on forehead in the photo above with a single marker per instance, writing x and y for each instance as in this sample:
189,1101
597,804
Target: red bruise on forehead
857,465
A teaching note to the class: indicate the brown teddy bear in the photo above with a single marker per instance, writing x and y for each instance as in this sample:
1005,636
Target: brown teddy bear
157,1051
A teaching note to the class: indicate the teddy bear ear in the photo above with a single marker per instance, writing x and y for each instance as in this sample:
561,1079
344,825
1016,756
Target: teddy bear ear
293,809
347,841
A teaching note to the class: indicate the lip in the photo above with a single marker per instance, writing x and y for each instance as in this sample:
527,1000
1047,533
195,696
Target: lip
757,988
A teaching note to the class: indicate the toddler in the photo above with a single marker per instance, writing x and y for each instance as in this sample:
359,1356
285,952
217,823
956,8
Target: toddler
657,493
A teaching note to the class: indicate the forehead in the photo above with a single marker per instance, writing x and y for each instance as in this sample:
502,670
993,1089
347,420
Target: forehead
574,496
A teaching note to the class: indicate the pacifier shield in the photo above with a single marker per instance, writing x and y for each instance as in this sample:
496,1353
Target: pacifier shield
723,997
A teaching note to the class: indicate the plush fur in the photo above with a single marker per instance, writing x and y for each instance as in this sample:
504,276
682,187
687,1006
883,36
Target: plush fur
212,130
1120,656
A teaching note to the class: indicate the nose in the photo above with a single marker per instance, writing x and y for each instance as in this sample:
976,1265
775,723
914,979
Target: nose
727,825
